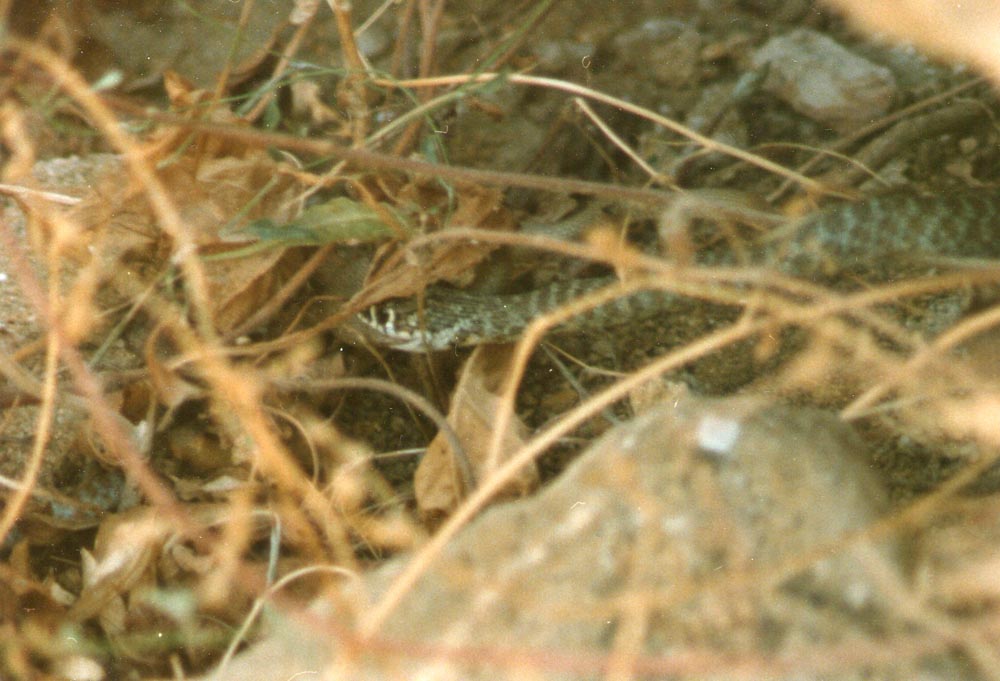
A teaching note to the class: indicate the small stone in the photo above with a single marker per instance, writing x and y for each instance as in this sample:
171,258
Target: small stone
821,79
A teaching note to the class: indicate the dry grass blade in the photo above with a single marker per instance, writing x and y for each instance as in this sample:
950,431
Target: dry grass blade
192,429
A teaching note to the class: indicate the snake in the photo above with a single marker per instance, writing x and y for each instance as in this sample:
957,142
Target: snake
870,235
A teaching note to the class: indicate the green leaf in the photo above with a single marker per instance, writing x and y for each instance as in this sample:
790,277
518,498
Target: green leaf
339,220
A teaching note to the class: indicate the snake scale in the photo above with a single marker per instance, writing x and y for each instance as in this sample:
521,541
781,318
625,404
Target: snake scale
871,234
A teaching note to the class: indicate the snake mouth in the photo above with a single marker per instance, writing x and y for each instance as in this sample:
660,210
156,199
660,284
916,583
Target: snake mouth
393,326
381,325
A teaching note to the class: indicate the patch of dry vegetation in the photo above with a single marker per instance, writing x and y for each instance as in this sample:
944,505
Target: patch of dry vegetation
193,432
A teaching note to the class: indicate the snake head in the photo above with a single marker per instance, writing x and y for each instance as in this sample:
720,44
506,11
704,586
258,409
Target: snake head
402,325
394,324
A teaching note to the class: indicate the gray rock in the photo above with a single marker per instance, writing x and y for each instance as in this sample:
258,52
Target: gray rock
720,525
823,80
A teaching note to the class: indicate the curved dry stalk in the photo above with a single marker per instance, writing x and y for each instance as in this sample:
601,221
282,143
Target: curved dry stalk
621,104
12,512
466,472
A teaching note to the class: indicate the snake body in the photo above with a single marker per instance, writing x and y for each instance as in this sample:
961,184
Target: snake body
873,235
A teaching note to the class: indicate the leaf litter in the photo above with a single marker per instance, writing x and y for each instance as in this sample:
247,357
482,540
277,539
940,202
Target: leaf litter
247,213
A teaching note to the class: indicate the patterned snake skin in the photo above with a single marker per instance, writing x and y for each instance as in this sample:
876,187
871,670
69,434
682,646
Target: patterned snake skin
873,235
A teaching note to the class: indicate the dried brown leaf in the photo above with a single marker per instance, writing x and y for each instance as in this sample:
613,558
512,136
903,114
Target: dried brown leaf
126,547
448,261
240,287
438,485
480,207
213,197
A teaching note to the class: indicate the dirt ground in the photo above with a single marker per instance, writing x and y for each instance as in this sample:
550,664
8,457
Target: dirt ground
776,479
